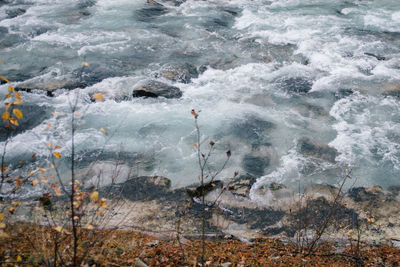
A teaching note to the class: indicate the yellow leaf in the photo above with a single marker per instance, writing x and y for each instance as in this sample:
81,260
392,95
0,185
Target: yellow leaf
104,131
11,88
98,96
14,121
2,216
84,63
5,116
89,226
58,229
18,95
94,196
57,154
103,203
52,166
2,226
17,113
8,105
19,259
35,182
16,203
100,213
7,96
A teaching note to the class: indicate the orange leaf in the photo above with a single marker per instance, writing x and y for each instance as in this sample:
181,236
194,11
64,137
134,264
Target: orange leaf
35,182
98,96
57,154
5,116
17,113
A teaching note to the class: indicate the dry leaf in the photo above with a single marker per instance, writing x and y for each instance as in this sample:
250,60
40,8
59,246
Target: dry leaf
57,154
17,113
94,196
98,96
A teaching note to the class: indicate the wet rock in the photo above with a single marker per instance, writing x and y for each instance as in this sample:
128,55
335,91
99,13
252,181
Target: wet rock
203,190
13,13
316,191
143,188
311,111
259,159
85,4
311,148
49,84
169,2
392,90
33,116
95,73
372,195
150,12
179,72
223,63
252,129
241,185
299,85
157,89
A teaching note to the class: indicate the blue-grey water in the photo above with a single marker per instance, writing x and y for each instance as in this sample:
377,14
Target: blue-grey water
270,74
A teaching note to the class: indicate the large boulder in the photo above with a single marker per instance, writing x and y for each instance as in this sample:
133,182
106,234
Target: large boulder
157,89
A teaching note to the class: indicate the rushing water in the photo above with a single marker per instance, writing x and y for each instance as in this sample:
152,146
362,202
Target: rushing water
270,74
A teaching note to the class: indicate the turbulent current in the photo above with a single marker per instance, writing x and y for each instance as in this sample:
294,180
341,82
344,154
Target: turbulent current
297,90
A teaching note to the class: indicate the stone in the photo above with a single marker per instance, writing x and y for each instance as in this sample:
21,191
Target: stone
140,263
157,89
179,72
12,13
316,191
311,148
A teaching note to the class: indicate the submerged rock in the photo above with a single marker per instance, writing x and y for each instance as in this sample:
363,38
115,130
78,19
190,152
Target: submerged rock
252,129
259,159
157,89
179,72
300,85
12,13
311,148
150,12
33,115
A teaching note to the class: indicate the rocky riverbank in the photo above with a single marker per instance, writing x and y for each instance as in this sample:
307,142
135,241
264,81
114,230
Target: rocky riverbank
151,205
